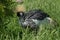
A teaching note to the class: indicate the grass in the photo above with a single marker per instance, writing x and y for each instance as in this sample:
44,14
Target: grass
46,31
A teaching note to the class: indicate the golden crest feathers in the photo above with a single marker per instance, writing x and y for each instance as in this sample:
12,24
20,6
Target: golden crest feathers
20,8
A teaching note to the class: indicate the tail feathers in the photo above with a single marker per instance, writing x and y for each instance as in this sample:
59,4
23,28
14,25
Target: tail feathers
52,22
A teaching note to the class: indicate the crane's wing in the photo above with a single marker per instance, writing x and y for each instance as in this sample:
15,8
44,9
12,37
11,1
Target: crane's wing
36,14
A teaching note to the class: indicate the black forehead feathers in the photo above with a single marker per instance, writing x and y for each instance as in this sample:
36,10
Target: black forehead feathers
18,14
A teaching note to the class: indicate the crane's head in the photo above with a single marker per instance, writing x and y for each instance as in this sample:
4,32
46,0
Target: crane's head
20,9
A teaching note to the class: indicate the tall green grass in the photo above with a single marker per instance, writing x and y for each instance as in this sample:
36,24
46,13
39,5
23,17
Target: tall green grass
46,31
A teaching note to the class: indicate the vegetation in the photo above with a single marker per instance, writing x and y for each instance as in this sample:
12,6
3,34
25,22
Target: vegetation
11,30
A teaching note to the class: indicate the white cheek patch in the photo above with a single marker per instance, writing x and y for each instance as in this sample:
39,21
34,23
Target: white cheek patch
21,13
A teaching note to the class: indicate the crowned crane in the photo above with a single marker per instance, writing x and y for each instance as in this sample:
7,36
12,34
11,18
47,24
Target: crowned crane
33,18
